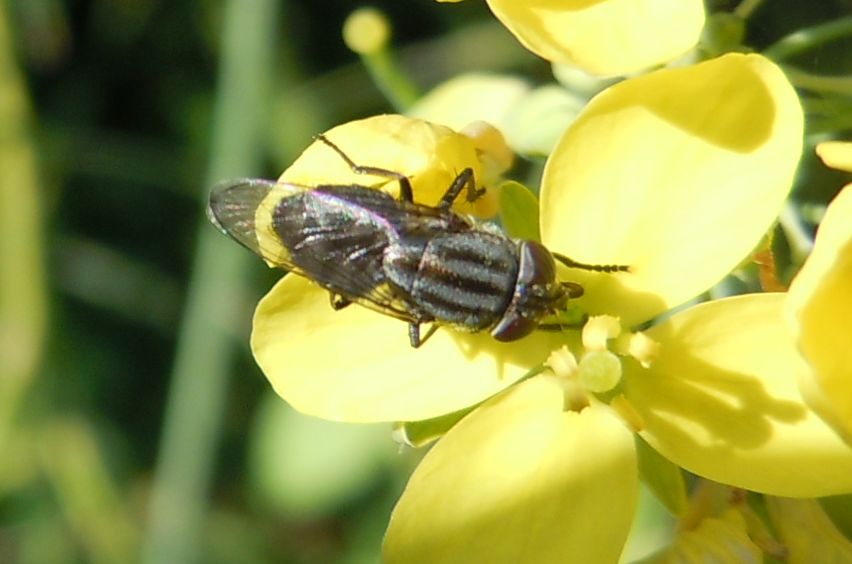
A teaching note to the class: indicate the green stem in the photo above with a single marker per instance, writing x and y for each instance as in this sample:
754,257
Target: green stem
91,501
746,8
199,379
818,83
799,240
839,121
808,38
391,80
23,294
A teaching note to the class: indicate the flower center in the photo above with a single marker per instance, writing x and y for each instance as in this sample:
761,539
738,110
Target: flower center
599,370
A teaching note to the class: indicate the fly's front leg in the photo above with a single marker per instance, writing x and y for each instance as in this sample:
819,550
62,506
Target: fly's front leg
464,180
405,192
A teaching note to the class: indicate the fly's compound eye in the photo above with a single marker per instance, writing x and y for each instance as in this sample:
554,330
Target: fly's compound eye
537,267
536,293
513,326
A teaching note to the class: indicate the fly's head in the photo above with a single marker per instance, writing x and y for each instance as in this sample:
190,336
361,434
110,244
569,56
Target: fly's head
537,293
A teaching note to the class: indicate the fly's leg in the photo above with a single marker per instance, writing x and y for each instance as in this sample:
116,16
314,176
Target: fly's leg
571,263
414,334
572,291
559,327
464,180
405,192
338,302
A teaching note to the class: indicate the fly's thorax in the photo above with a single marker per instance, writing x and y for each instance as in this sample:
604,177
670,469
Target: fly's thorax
537,293
463,279
401,263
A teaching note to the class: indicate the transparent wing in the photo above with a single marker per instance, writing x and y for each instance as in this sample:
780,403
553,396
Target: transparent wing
235,206
342,258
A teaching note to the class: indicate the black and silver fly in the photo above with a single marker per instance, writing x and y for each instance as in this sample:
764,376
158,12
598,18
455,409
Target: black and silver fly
417,263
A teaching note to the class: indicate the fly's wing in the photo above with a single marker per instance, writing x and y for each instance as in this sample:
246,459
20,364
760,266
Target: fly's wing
345,260
235,206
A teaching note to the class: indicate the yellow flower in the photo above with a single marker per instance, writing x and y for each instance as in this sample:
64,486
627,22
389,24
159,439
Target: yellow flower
607,37
671,175
820,305
678,174
836,154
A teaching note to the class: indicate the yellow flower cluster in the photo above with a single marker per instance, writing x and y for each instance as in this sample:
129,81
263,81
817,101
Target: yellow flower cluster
678,173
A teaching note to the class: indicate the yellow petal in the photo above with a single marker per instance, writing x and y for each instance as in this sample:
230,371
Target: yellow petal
722,401
538,119
820,307
807,531
357,365
606,37
678,174
520,480
470,97
721,540
430,155
836,154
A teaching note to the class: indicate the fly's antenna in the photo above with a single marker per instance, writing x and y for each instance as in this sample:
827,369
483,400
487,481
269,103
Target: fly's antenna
609,268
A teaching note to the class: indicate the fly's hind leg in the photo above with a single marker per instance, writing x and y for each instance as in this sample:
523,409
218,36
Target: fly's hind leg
414,334
405,192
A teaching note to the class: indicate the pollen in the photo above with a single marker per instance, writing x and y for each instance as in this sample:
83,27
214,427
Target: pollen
562,362
599,330
643,348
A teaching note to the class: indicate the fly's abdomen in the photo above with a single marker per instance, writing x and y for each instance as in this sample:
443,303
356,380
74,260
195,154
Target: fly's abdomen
462,279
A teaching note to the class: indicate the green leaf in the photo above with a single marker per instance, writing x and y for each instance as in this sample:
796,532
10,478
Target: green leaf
662,476
839,508
417,434
519,211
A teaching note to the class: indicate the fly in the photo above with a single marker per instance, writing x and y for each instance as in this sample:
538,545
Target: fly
420,264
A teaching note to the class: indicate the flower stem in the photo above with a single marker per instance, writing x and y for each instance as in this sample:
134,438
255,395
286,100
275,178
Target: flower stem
367,32
23,293
808,38
799,240
746,8
393,82
819,83
92,502
203,357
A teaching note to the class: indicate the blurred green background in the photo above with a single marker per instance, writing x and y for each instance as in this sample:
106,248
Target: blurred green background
134,425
